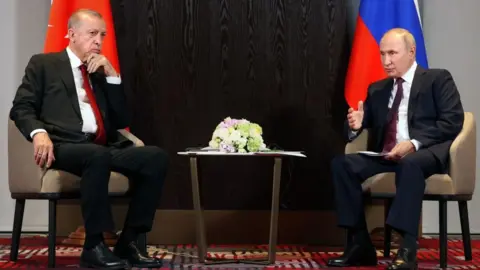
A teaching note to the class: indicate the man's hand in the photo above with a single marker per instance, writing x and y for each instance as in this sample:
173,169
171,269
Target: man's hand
355,118
95,61
43,150
400,150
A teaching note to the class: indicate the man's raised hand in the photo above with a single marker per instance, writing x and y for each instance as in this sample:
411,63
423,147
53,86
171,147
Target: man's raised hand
355,117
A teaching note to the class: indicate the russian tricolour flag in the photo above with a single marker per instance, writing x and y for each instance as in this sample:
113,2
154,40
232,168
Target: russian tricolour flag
374,19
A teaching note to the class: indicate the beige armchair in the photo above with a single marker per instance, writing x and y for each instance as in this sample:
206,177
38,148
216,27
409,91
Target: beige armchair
458,185
27,181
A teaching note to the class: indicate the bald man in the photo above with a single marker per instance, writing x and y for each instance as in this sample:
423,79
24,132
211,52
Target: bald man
412,116
71,104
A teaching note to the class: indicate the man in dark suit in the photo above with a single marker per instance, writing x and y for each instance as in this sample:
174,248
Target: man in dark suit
413,116
70,105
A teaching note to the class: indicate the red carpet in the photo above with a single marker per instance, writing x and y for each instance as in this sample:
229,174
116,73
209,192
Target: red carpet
33,254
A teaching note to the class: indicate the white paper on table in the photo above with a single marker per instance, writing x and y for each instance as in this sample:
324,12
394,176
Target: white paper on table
284,153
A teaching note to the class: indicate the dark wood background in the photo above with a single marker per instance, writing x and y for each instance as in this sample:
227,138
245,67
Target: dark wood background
187,64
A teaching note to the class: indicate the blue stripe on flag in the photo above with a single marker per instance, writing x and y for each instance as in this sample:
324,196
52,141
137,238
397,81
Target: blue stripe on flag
382,15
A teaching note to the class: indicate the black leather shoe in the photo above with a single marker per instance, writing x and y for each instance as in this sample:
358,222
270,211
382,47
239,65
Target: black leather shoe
405,259
101,257
355,255
135,257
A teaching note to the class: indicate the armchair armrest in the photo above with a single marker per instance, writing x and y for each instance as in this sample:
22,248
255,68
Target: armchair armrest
136,141
24,176
358,144
463,153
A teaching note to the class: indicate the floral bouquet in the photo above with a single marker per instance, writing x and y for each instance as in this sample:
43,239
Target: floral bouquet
237,135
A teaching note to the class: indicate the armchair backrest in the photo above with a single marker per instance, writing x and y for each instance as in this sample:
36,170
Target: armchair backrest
463,157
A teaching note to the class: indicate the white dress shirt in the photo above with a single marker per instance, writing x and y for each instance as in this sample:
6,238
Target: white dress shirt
88,116
402,124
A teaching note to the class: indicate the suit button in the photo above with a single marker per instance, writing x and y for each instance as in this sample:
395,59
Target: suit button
81,122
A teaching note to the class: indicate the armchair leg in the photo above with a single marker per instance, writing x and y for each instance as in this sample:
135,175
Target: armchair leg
387,230
443,233
17,228
52,231
467,245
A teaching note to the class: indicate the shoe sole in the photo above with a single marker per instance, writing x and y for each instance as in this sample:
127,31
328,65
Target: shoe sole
88,265
148,265
373,263
352,265
411,268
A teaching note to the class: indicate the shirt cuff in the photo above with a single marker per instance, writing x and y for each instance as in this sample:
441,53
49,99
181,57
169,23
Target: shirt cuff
416,143
352,134
37,131
114,80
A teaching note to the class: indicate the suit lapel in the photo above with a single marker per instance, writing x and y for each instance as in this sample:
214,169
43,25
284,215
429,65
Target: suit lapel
65,69
414,90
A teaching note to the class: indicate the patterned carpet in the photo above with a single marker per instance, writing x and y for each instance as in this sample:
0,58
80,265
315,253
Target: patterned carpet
33,254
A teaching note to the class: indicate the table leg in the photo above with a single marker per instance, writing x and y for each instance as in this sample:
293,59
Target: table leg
272,247
200,224
272,244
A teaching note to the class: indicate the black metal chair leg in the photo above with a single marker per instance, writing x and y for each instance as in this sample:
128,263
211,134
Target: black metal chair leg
52,231
467,244
443,233
387,230
17,228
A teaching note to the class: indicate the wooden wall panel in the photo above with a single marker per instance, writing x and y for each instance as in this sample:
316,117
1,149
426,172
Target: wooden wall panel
187,64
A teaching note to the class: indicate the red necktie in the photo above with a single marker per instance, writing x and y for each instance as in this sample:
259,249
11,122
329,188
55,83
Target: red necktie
391,130
101,137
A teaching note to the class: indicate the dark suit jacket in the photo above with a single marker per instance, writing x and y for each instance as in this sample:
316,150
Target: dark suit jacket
435,112
47,98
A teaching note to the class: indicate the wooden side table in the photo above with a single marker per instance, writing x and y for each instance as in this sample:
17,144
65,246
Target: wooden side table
277,157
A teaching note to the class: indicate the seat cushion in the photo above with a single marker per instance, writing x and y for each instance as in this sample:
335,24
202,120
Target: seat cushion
385,183
54,181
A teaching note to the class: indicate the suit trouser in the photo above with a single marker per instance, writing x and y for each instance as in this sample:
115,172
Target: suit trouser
144,166
350,171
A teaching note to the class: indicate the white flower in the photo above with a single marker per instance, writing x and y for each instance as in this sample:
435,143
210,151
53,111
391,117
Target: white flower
222,133
241,143
235,136
213,144
254,133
